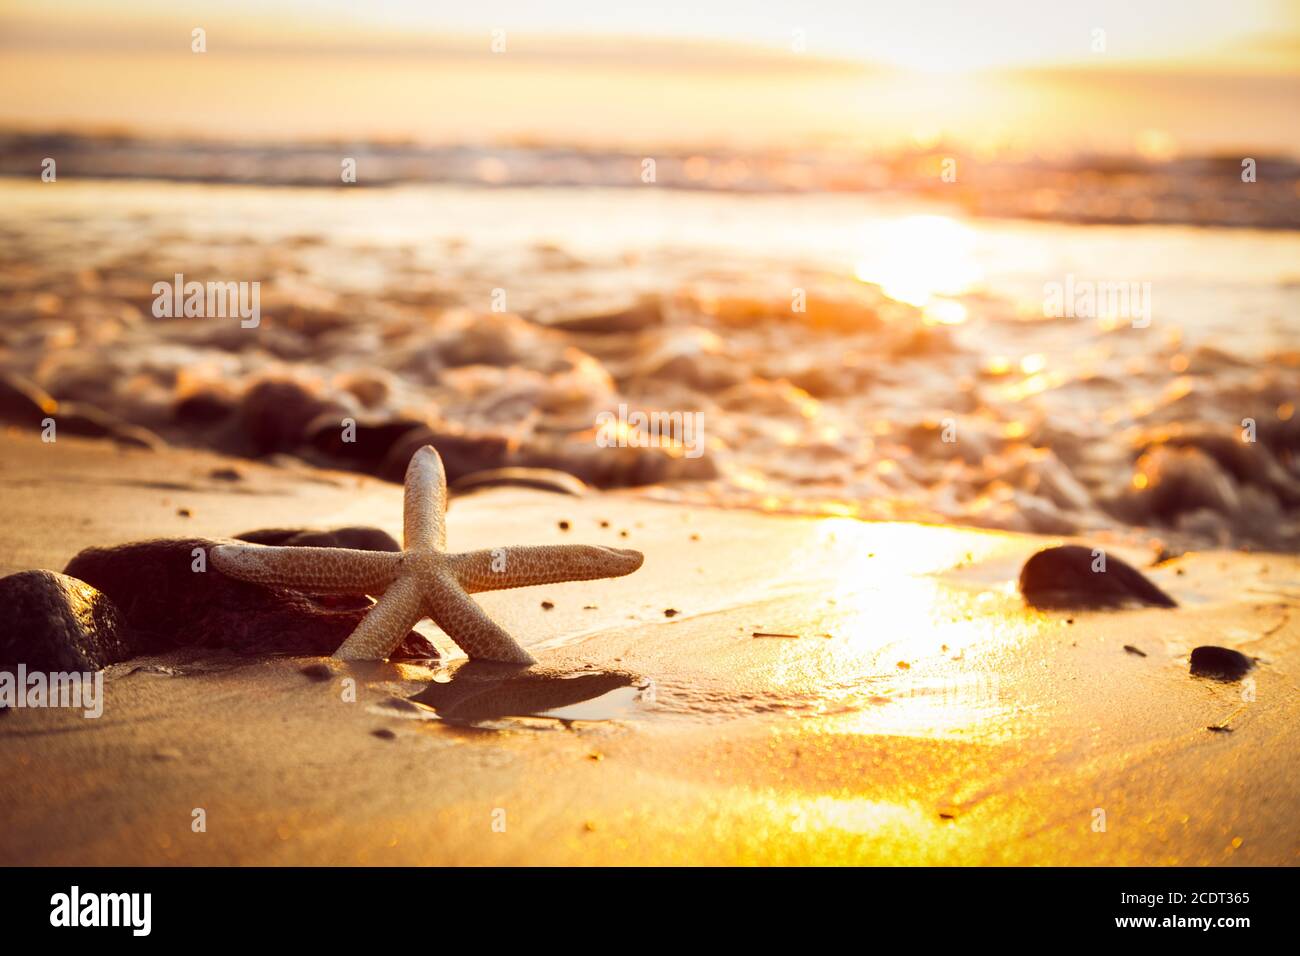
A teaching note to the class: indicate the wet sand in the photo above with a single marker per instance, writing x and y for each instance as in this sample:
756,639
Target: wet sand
908,709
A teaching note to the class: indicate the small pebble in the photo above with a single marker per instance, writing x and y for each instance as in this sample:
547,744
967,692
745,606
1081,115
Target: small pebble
547,605
1134,650
670,612
183,512
564,526
318,672
383,733
1219,663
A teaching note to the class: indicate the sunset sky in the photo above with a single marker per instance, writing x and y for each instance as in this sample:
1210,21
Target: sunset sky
1198,74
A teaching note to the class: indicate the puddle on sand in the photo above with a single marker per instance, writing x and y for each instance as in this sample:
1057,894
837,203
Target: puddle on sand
478,693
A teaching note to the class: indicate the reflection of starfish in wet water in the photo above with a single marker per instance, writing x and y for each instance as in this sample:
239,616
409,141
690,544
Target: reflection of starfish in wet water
424,579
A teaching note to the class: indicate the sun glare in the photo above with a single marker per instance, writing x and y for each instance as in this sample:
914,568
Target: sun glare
921,257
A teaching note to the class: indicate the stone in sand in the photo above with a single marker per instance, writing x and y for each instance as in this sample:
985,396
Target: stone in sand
23,402
1219,663
167,604
461,453
358,536
74,418
543,479
275,414
367,443
26,404
53,622
1063,577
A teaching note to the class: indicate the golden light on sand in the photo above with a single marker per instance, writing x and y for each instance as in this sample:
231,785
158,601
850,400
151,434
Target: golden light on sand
903,641
926,256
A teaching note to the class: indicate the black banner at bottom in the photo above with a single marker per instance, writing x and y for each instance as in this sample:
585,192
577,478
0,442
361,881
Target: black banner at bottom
385,905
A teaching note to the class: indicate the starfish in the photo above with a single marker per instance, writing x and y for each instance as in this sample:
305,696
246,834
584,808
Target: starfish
424,579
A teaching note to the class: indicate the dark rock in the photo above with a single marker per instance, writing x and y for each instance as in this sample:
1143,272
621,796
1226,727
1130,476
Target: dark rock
462,454
318,672
360,538
167,604
275,415
74,418
23,402
57,623
543,479
26,404
204,408
621,467
1245,462
1181,480
1135,650
226,474
1219,663
372,440
383,733
1062,577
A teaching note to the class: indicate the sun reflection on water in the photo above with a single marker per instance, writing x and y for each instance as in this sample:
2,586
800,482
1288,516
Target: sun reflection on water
906,646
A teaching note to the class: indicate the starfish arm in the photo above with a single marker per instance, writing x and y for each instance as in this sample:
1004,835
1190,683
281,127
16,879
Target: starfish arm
470,627
425,506
521,567
315,570
386,623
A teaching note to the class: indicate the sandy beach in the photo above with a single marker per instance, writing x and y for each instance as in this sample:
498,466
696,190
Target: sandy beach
907,707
